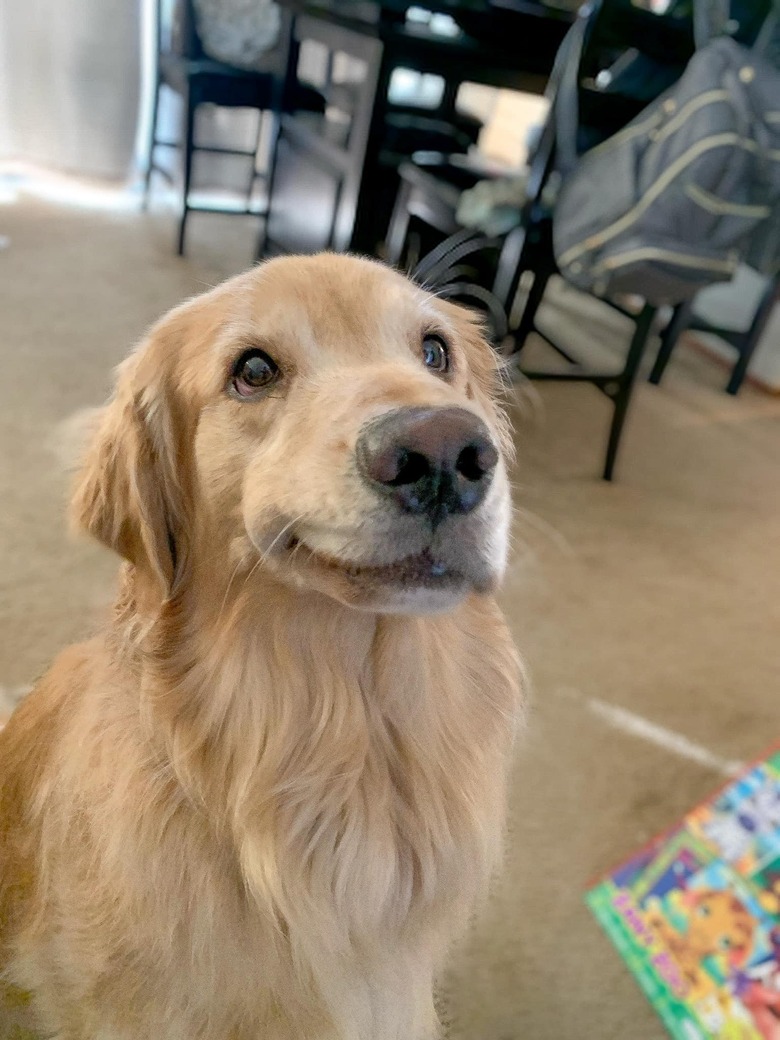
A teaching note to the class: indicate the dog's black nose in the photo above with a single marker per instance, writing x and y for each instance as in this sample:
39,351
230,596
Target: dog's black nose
432,461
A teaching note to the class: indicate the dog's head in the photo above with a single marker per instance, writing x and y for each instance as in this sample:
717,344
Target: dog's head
320,418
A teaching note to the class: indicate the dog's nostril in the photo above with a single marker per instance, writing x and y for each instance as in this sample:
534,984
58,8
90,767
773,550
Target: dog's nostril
475,460
468,464
412,467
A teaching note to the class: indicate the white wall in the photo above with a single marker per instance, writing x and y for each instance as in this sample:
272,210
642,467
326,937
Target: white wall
732,306
69,83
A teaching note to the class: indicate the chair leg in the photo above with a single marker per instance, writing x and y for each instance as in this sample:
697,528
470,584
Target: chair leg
746,347
677,325
527,319
253,174
511,265
188,145
275,113
749,341
625,385
398,230
152,142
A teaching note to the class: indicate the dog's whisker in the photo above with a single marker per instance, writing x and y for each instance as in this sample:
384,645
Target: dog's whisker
251,572
262,558
267,552
227,590
545,528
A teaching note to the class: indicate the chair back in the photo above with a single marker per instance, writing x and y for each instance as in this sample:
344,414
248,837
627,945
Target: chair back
176,33
619,57
176,30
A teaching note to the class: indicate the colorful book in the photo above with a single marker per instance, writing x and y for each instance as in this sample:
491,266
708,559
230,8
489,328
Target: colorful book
696,914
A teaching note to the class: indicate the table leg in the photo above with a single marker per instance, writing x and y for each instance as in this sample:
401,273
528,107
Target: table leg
370,223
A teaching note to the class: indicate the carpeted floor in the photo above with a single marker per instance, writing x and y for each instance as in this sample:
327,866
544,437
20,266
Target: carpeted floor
648,611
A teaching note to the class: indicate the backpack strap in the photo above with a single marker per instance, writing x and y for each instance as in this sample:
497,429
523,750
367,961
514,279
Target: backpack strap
768,40
710,19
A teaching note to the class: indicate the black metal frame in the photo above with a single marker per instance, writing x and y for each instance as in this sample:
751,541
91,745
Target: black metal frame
200,80
744,341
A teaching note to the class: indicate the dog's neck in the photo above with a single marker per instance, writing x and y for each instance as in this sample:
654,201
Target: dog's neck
324,744
234,671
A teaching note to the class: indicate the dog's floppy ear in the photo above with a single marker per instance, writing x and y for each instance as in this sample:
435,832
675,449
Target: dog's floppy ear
131,493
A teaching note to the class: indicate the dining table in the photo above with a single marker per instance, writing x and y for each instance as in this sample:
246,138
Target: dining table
330,167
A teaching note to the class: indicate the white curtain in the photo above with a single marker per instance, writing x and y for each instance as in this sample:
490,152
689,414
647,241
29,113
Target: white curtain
70,75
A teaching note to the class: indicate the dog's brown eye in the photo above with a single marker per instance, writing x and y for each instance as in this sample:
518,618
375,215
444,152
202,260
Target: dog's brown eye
254,371
435,355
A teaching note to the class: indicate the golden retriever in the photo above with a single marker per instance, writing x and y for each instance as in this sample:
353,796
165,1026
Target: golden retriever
261,803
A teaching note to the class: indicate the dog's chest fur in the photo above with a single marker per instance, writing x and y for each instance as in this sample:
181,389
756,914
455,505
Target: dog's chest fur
357,772
312,825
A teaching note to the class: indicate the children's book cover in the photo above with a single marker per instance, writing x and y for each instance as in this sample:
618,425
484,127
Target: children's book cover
696,915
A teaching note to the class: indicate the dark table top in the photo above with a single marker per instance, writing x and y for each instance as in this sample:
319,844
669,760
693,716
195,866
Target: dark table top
505,43
364,13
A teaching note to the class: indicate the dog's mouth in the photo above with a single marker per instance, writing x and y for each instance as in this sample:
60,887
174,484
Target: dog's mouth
422,570
382,568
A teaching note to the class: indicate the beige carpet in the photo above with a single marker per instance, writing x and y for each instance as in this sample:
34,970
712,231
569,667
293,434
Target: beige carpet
649,610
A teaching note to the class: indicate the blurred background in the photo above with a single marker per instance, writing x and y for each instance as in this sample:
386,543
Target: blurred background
150,148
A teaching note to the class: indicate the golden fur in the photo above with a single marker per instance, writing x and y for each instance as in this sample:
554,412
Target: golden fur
260,804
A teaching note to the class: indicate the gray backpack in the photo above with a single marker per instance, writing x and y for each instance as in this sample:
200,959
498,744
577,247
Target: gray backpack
686,191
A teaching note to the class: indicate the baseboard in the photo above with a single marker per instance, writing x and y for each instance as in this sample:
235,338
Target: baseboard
703,348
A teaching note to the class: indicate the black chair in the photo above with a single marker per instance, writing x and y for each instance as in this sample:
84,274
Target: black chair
427,200
185,68
408,129
614,61
744,341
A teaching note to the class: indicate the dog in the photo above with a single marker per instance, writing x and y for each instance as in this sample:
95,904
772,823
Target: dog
261,803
